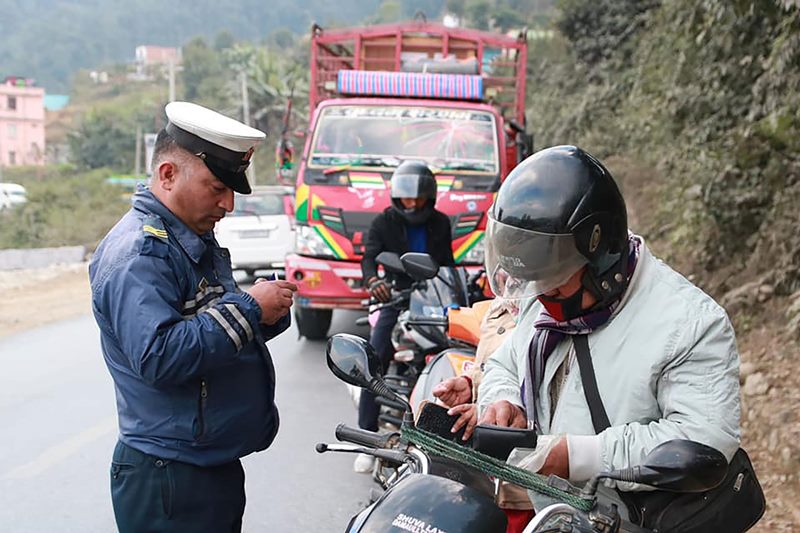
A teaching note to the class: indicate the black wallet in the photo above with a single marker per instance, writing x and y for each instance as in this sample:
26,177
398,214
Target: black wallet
433,418
498,441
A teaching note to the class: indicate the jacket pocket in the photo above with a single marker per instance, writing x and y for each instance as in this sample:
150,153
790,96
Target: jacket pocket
199,425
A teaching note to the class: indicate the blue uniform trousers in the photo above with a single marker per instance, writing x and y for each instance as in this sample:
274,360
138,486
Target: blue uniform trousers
158,495
381,339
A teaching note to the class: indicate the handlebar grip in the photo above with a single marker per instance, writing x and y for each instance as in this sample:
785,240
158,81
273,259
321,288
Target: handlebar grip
362,437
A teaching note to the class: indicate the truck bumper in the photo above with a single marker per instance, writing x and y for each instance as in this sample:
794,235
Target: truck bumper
324,284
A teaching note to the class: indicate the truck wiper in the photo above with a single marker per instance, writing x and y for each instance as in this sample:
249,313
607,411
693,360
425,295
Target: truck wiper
465,165
380,162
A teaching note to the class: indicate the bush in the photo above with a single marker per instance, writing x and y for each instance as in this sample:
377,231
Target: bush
65,208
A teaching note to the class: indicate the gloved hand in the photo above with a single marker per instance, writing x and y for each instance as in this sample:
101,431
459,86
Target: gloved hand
379,289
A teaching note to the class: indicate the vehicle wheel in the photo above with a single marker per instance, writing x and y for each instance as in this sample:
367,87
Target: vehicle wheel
249,272
313,323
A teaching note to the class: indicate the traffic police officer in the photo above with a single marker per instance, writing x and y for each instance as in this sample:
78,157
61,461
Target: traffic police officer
184,344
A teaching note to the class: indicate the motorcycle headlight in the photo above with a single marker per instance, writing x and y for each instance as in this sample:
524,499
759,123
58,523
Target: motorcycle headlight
309,242
476,254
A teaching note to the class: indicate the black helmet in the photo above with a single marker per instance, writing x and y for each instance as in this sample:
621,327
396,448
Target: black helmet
557,211
413,179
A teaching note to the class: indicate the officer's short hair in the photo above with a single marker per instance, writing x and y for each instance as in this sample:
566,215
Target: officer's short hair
165,146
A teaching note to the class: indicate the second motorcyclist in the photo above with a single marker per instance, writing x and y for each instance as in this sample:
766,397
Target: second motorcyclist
410,224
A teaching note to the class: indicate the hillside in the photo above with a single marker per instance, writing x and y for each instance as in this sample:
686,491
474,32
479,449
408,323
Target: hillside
49,39
695,107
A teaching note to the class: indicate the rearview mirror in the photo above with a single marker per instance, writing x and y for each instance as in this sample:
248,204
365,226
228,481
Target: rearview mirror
390,261
419,266
677,466
352,359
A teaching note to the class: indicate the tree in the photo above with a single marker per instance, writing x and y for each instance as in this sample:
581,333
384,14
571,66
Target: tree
204,77
477,11
103,140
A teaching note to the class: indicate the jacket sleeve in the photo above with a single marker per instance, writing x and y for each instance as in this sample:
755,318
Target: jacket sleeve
502,376
272,331
142,304
698,395
372,248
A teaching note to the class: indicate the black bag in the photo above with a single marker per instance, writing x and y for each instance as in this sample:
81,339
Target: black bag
734,506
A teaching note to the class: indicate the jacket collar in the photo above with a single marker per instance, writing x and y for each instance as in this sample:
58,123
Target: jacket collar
193,244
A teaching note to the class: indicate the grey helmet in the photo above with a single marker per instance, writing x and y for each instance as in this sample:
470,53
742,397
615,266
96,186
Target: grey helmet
413,179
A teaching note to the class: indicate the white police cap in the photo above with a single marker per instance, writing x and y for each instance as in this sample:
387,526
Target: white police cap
224,144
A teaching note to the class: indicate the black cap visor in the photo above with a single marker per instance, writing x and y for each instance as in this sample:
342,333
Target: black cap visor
227,165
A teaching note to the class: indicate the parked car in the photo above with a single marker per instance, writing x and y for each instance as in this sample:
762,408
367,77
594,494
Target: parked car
259,232
11,195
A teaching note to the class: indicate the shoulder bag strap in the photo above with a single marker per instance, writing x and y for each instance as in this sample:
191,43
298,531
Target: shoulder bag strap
599,417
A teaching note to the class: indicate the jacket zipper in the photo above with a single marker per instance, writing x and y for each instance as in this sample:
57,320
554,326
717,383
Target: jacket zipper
201,407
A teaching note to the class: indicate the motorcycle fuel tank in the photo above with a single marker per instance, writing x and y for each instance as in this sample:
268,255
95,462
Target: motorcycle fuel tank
431,504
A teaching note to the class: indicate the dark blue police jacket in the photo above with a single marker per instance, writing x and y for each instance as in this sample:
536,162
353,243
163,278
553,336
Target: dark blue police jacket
193,377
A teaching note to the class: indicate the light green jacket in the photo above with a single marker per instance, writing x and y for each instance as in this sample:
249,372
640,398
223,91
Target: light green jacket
667,367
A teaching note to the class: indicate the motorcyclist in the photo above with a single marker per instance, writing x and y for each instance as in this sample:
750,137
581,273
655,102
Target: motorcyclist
664,353
410,224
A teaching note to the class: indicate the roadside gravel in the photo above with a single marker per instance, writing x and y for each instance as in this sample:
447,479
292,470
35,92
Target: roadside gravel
39,296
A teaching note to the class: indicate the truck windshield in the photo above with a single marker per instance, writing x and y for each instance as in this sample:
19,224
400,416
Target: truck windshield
446,139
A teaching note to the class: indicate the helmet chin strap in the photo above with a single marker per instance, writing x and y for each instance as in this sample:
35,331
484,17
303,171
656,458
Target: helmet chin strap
608,286
605,288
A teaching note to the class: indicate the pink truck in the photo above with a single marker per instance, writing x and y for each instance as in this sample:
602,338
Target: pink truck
452,97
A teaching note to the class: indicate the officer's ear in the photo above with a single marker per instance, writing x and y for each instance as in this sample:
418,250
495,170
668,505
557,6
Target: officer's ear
167,174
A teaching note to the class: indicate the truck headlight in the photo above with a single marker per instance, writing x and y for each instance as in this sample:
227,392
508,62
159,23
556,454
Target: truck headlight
476,254
308,242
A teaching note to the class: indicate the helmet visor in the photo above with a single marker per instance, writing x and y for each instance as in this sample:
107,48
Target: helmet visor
522,263
411,186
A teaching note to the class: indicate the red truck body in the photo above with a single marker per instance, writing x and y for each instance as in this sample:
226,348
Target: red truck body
451,97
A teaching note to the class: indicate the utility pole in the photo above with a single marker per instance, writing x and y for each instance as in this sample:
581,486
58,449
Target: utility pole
171,80
137,165
251,170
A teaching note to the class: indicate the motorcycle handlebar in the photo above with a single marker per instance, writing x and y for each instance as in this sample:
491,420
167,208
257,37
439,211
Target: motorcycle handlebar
364,437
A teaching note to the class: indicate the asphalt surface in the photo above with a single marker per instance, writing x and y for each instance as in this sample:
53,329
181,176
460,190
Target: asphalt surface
58,428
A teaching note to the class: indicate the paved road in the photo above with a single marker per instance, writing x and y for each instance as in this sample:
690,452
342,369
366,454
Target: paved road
58,427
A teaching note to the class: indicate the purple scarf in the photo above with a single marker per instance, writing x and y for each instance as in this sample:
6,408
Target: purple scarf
549,332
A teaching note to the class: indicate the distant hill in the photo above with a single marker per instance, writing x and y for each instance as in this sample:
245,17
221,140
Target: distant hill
51,39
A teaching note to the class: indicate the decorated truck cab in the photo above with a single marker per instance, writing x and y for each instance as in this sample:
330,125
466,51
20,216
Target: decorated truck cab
451,97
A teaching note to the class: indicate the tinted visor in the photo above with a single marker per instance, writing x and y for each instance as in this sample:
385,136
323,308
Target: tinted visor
410,186
522,263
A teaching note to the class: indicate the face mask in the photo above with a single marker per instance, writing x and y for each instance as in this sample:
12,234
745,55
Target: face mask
564,309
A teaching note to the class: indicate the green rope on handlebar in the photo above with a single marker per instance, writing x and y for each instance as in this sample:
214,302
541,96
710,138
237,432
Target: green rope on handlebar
437,445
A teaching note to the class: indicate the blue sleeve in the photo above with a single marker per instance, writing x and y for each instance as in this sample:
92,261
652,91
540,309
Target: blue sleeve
270,332
143,303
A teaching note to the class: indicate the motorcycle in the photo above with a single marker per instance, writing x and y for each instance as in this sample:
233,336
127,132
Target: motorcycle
421,331
432,492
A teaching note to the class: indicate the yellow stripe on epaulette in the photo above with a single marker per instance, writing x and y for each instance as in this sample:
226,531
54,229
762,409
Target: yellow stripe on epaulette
160,233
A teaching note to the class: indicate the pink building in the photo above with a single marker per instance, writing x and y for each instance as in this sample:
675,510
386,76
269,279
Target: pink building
148,55
21,123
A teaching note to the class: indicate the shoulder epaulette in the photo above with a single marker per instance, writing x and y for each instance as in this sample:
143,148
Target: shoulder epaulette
154,226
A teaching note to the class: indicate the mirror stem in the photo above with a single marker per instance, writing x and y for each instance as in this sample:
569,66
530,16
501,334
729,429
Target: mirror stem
626,474
379,387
